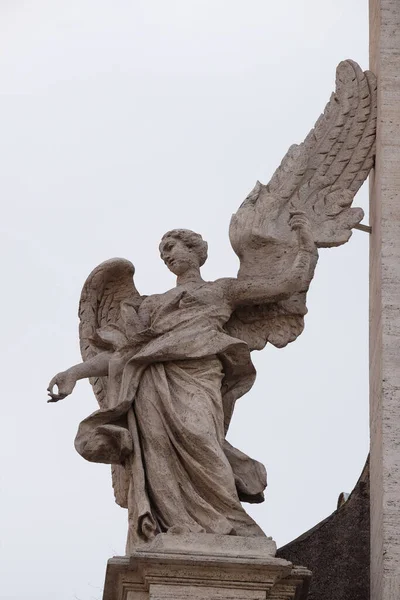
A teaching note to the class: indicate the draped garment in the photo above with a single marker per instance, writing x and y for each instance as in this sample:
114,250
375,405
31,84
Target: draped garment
171,393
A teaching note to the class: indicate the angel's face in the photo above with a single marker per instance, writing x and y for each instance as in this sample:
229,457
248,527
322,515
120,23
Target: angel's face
178,257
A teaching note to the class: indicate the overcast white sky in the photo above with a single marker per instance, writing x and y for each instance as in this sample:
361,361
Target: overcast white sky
120,120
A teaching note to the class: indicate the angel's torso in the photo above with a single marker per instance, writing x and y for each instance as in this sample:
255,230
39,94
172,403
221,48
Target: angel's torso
189,296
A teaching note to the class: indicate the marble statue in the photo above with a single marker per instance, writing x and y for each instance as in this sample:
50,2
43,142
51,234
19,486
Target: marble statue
167,369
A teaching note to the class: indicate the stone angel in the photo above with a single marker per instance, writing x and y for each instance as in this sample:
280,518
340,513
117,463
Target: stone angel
167,369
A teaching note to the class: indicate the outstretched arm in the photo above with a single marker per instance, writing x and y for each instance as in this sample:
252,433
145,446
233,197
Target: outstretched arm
259,290
66,380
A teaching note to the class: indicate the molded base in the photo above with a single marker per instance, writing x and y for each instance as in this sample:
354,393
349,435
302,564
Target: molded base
205,566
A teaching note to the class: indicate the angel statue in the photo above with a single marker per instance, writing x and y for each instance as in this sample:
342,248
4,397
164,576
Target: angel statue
167,369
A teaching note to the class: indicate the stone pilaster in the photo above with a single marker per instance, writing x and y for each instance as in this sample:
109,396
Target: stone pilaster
385,306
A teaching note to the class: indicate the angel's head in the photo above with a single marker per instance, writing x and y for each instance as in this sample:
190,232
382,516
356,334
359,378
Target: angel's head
182,249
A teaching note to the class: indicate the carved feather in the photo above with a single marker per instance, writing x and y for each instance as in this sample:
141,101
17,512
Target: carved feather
335,157
278,323
318,177
107,287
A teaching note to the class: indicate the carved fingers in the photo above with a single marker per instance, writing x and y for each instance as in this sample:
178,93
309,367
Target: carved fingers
300,223
65,383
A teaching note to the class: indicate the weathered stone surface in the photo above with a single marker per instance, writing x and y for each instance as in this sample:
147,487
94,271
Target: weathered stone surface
337,550
167,369
385,306
158,572
174,373
212,545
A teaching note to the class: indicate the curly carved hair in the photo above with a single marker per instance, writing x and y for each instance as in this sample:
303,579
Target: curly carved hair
192,240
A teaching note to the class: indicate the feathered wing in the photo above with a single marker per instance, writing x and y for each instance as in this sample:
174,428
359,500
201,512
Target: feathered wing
279,323
107,287
319,177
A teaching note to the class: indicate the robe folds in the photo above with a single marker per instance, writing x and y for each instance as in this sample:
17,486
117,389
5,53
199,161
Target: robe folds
171,391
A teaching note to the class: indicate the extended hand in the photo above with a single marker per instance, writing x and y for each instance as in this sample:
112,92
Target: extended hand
65,382
299,222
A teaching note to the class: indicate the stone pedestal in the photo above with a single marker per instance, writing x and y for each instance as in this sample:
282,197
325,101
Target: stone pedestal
205,566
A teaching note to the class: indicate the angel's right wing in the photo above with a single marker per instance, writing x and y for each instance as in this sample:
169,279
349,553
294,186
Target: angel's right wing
318,177
278,324
107,287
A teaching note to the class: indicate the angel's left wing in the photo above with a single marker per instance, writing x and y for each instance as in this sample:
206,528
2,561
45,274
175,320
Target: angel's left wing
108,286
320,178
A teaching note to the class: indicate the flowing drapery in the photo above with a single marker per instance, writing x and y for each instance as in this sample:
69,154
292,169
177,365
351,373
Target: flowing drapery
171,393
